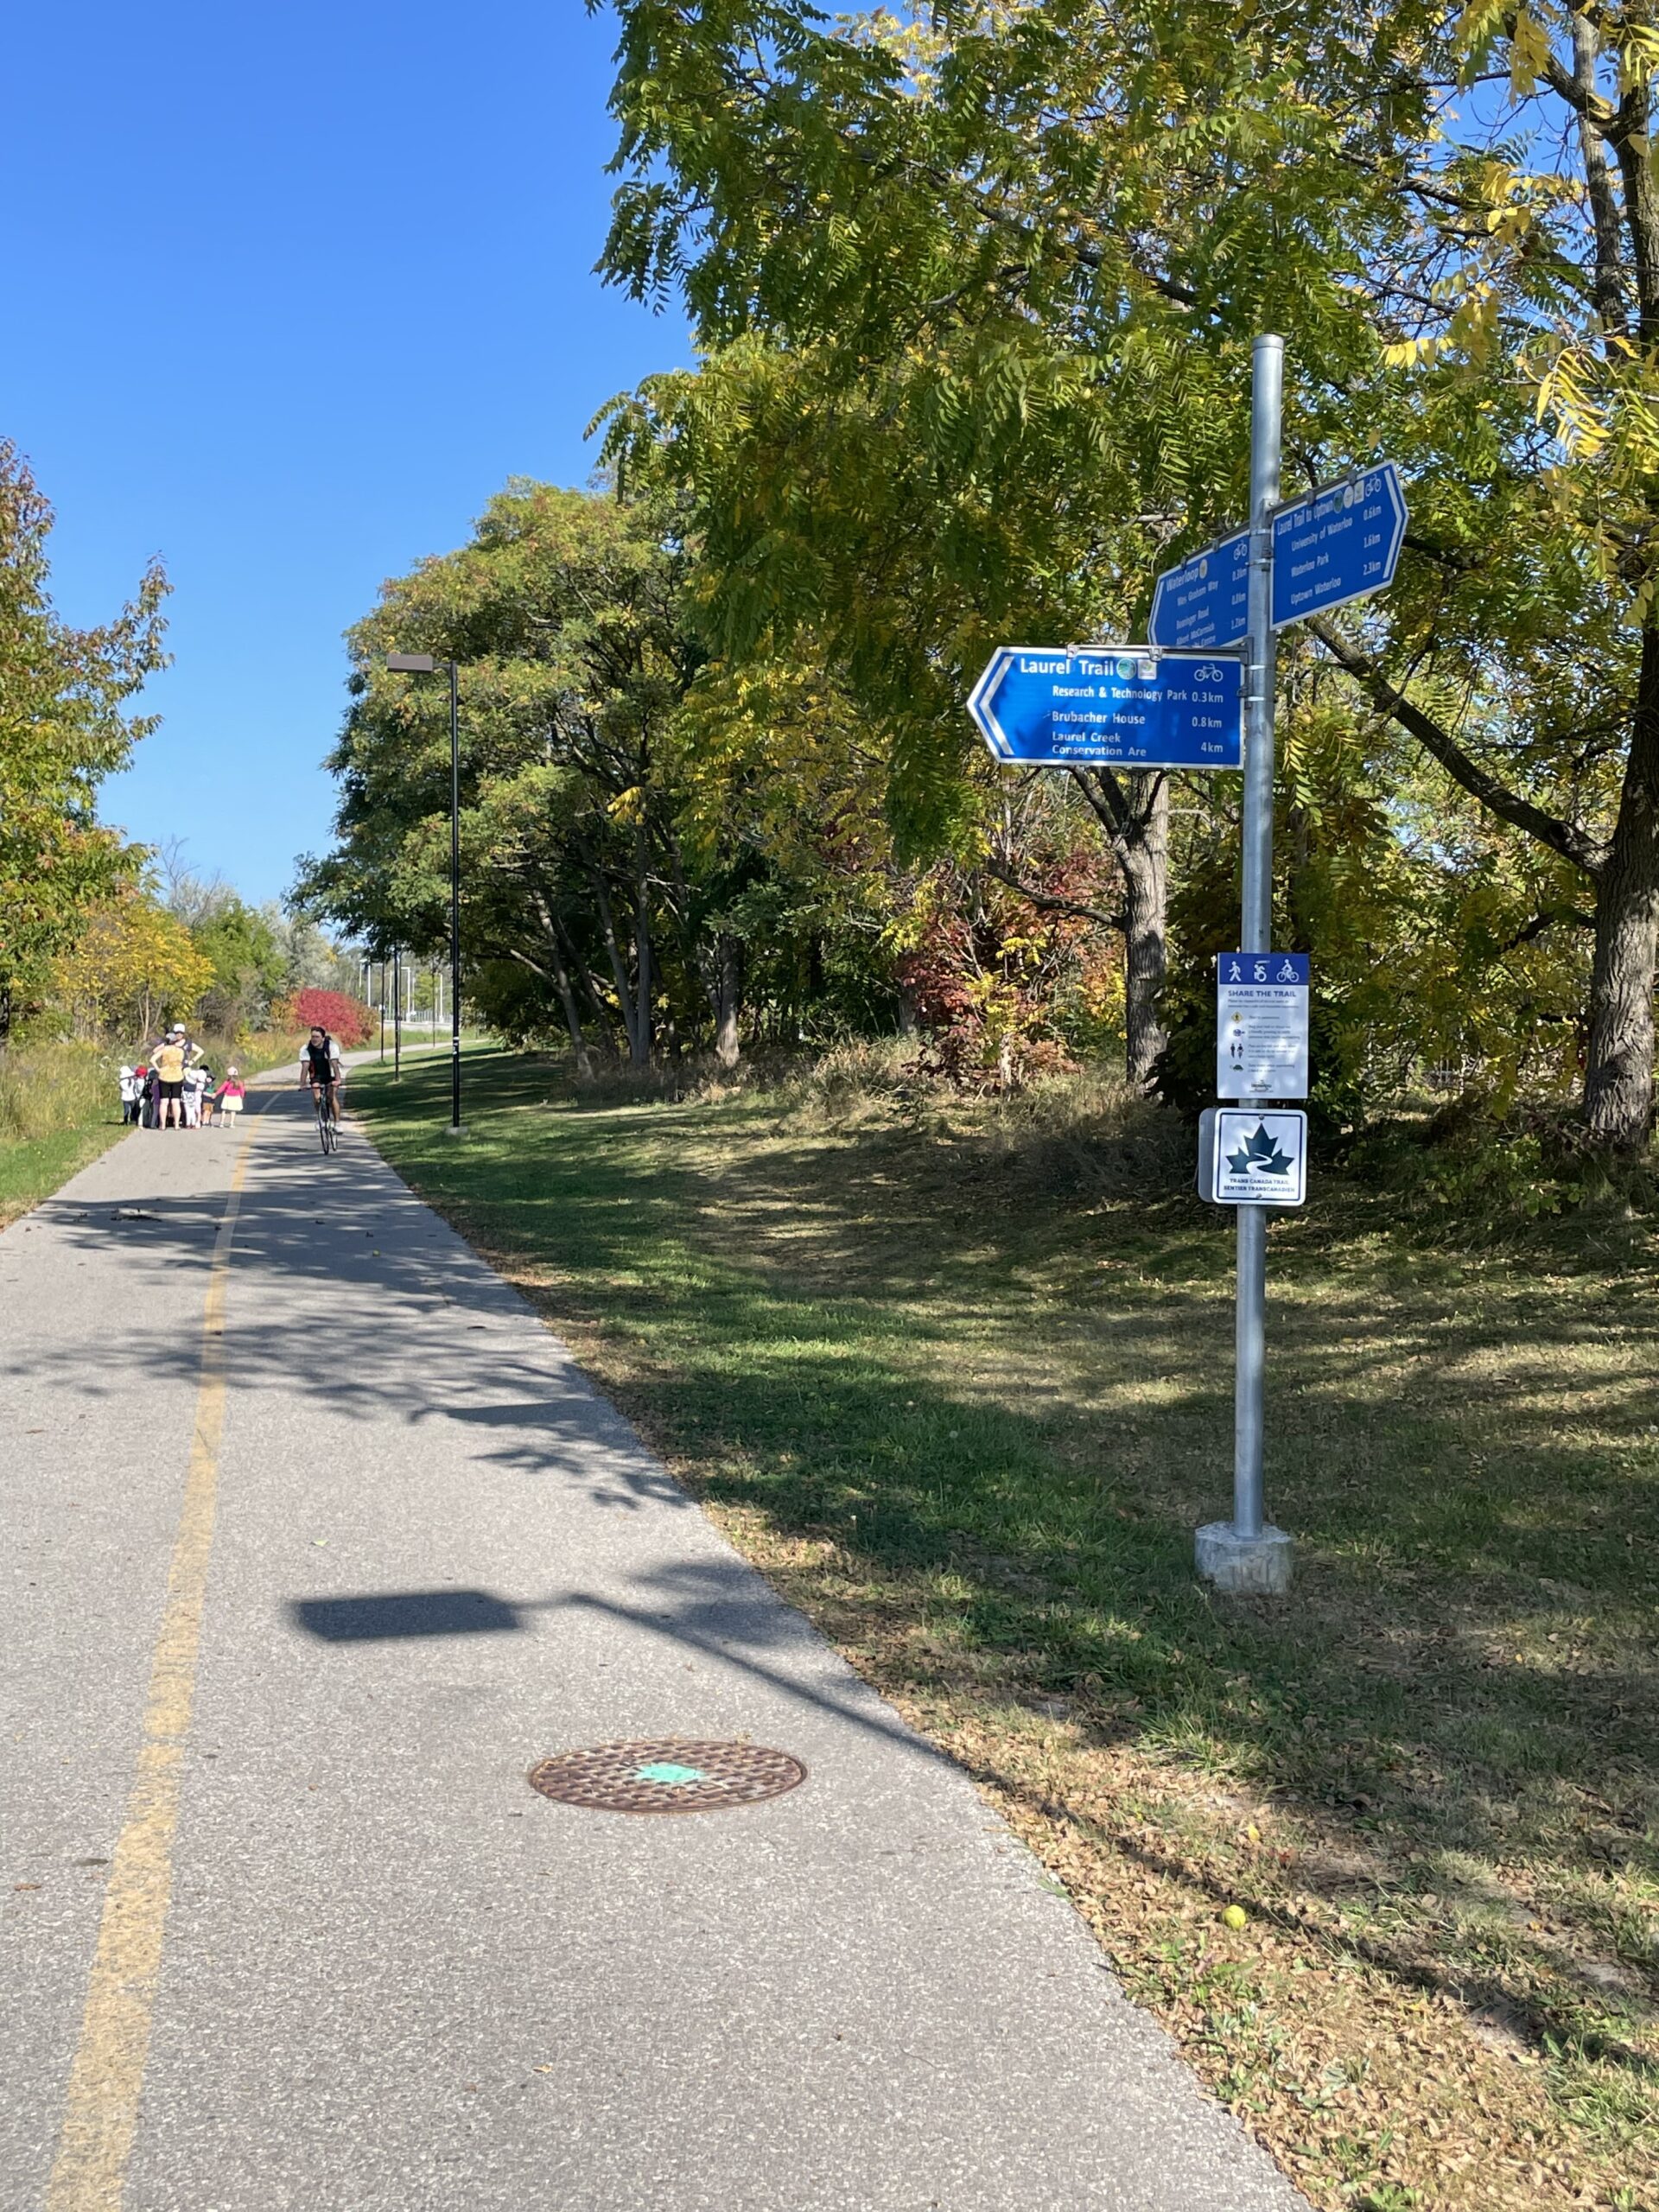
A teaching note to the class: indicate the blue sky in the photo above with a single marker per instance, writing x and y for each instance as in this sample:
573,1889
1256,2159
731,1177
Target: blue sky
291,291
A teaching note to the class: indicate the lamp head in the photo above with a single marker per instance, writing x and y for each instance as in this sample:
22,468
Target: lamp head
413,664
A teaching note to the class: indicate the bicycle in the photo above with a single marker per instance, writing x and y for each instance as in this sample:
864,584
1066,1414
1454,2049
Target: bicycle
328,1125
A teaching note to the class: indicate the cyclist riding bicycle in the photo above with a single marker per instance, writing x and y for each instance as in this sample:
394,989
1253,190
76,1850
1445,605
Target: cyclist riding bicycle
320,1071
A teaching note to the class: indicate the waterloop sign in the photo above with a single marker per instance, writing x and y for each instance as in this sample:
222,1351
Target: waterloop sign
1205,602
1117,706
1338,545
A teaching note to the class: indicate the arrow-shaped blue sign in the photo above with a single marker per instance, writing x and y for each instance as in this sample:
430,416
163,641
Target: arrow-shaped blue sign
1121,706
1205,602
1337,546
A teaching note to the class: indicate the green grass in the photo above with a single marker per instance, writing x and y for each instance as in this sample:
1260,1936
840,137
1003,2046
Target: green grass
31,1169
960,1383
59,1110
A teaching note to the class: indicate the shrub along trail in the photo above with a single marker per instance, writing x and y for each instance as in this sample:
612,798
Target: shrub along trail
962,1390
59,1109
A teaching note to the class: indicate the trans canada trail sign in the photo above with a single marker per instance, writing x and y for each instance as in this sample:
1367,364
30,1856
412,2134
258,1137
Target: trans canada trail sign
1253,1157
1110,706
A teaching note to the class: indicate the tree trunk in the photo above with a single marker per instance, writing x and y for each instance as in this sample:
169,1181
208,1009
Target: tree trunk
572,1014
1144,858
728,997
1619,1073
638,1040
640,1035
1133,811
562,985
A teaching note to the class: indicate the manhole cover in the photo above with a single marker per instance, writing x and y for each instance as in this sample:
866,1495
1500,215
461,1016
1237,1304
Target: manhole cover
669,1775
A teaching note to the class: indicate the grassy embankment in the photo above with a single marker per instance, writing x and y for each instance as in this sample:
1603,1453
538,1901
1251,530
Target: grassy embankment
59,1109
958,1379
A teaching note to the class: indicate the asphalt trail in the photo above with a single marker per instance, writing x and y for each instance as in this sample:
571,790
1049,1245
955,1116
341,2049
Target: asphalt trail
317,1540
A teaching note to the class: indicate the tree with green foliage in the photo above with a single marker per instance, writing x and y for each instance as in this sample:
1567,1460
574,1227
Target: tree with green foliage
65,726
976,293
248,969
600,886
132,965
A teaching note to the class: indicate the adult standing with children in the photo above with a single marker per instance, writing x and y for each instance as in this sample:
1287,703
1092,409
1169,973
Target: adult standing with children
167,1061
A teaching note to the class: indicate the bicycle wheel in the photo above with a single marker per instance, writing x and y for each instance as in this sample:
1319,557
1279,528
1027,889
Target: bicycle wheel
325,1130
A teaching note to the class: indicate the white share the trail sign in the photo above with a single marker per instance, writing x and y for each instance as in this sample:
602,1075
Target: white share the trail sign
1262,1024
1166,704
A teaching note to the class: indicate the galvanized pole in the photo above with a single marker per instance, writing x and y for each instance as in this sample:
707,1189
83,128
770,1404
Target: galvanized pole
398,1013
455,901
1249,1556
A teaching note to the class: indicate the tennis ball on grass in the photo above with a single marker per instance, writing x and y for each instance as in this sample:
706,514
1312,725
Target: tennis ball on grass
1235,1916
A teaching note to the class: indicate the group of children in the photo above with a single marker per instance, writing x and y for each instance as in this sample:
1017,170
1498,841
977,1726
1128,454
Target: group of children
173,1087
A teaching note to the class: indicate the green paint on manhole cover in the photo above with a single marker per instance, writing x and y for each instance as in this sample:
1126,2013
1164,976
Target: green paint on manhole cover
670,1776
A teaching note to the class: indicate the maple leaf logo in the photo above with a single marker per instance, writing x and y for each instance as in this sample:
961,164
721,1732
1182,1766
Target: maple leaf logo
1259,1154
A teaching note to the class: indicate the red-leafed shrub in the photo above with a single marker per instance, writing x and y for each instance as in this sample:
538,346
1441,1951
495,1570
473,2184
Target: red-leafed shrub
1002,984
348,1021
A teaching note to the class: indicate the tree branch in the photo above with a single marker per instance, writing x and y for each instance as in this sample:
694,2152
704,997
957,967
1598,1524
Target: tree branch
1584,101
1599,180
1050,905
1547,920
1562,837
1109,805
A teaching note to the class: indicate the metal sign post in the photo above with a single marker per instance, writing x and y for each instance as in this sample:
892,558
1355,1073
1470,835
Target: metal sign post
1248,1555
1177,702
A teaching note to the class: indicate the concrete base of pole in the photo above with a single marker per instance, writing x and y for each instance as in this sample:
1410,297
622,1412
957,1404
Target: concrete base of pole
454,1129
1243,1566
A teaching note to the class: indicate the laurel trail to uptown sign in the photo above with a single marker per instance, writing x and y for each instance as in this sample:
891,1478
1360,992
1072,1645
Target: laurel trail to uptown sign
1343,544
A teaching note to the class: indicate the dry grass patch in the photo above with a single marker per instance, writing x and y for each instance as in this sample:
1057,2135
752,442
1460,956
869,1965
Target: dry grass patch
962,1390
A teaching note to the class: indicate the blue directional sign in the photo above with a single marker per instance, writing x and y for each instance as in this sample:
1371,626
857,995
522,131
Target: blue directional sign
1205,602
1121,706
1337,546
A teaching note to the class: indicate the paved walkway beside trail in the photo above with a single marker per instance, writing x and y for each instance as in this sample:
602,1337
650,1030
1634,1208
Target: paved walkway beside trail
315,1540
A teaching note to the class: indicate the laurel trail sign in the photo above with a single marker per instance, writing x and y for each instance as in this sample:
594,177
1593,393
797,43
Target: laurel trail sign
1115,706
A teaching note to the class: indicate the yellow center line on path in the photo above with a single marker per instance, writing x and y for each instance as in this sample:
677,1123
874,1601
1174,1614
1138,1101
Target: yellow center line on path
101,2116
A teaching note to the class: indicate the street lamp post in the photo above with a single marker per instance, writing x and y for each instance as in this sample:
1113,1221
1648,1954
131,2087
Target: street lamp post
424,664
